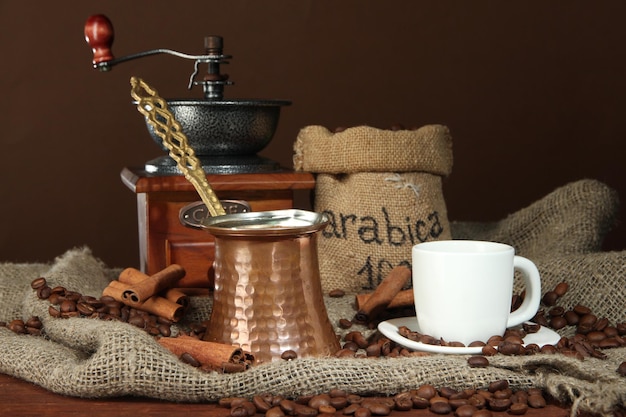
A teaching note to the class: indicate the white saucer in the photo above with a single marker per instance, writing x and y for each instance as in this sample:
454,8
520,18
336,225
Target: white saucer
390,328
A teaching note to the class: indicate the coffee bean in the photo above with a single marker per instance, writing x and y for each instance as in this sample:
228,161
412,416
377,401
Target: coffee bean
477,400
510,348
403,401
339,402
584,328
558,322
345,323
519,397
516,302
305,411
378,408
165,330
503,393
540,319
621,369
610,331
549,298
482,413
274,412
610,342
495,340
17,326
581,310
571,317
531,327
362,412
351,409
336,293
55,298
447,392
318,400
498,385
243,409
499,404
478,361
601,324
373,350
344,353
518,409
59,289
261,404
588,320
288,406
514,339
419,402
489,350
441,407
465,411
67,306
455,403
44,292
561,288
556,311
476,343
336,392
596,336
38,283
326,409
536,401
426,391
34,322
289,355
85,309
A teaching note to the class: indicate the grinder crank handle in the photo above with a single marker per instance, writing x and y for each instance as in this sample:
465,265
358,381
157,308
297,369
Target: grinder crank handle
99,35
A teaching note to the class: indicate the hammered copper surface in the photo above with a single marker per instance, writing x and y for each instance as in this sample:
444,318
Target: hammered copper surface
268,296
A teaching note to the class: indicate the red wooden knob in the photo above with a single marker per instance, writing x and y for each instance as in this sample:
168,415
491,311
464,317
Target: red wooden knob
99,35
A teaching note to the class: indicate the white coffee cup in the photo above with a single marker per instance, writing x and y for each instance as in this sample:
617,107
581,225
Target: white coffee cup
463,289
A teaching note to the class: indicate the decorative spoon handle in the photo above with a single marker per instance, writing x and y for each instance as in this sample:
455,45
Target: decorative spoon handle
165,125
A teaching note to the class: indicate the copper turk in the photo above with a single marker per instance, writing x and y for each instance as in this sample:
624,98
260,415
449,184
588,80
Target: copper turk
268,295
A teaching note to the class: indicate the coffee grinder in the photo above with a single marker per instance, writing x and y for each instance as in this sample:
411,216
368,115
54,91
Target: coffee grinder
226,135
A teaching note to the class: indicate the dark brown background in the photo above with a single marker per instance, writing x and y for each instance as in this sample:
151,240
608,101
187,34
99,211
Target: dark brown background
533,92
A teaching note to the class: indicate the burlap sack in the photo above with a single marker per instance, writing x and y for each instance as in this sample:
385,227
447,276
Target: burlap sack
382,191
98,359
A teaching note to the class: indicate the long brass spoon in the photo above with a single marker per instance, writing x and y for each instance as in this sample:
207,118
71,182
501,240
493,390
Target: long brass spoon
165,125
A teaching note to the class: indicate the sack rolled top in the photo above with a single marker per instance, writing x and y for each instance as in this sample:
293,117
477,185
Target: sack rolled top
368,149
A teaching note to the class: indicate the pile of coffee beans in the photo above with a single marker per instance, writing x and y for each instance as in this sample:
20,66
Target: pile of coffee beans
498,397
65,303
592,335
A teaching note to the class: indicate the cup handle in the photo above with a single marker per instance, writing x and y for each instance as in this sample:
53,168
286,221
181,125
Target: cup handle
532,298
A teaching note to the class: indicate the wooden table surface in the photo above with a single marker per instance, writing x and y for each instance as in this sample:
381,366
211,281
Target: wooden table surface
21,398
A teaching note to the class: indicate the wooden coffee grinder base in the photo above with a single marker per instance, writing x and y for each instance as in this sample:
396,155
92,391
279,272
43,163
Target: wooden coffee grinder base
164,240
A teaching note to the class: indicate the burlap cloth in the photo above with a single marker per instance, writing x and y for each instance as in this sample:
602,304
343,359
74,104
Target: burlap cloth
89,358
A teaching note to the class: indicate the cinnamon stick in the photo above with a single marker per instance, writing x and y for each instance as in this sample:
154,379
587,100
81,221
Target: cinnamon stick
156,305
403,299
140,290
177,296
133,276
210,354
383,294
